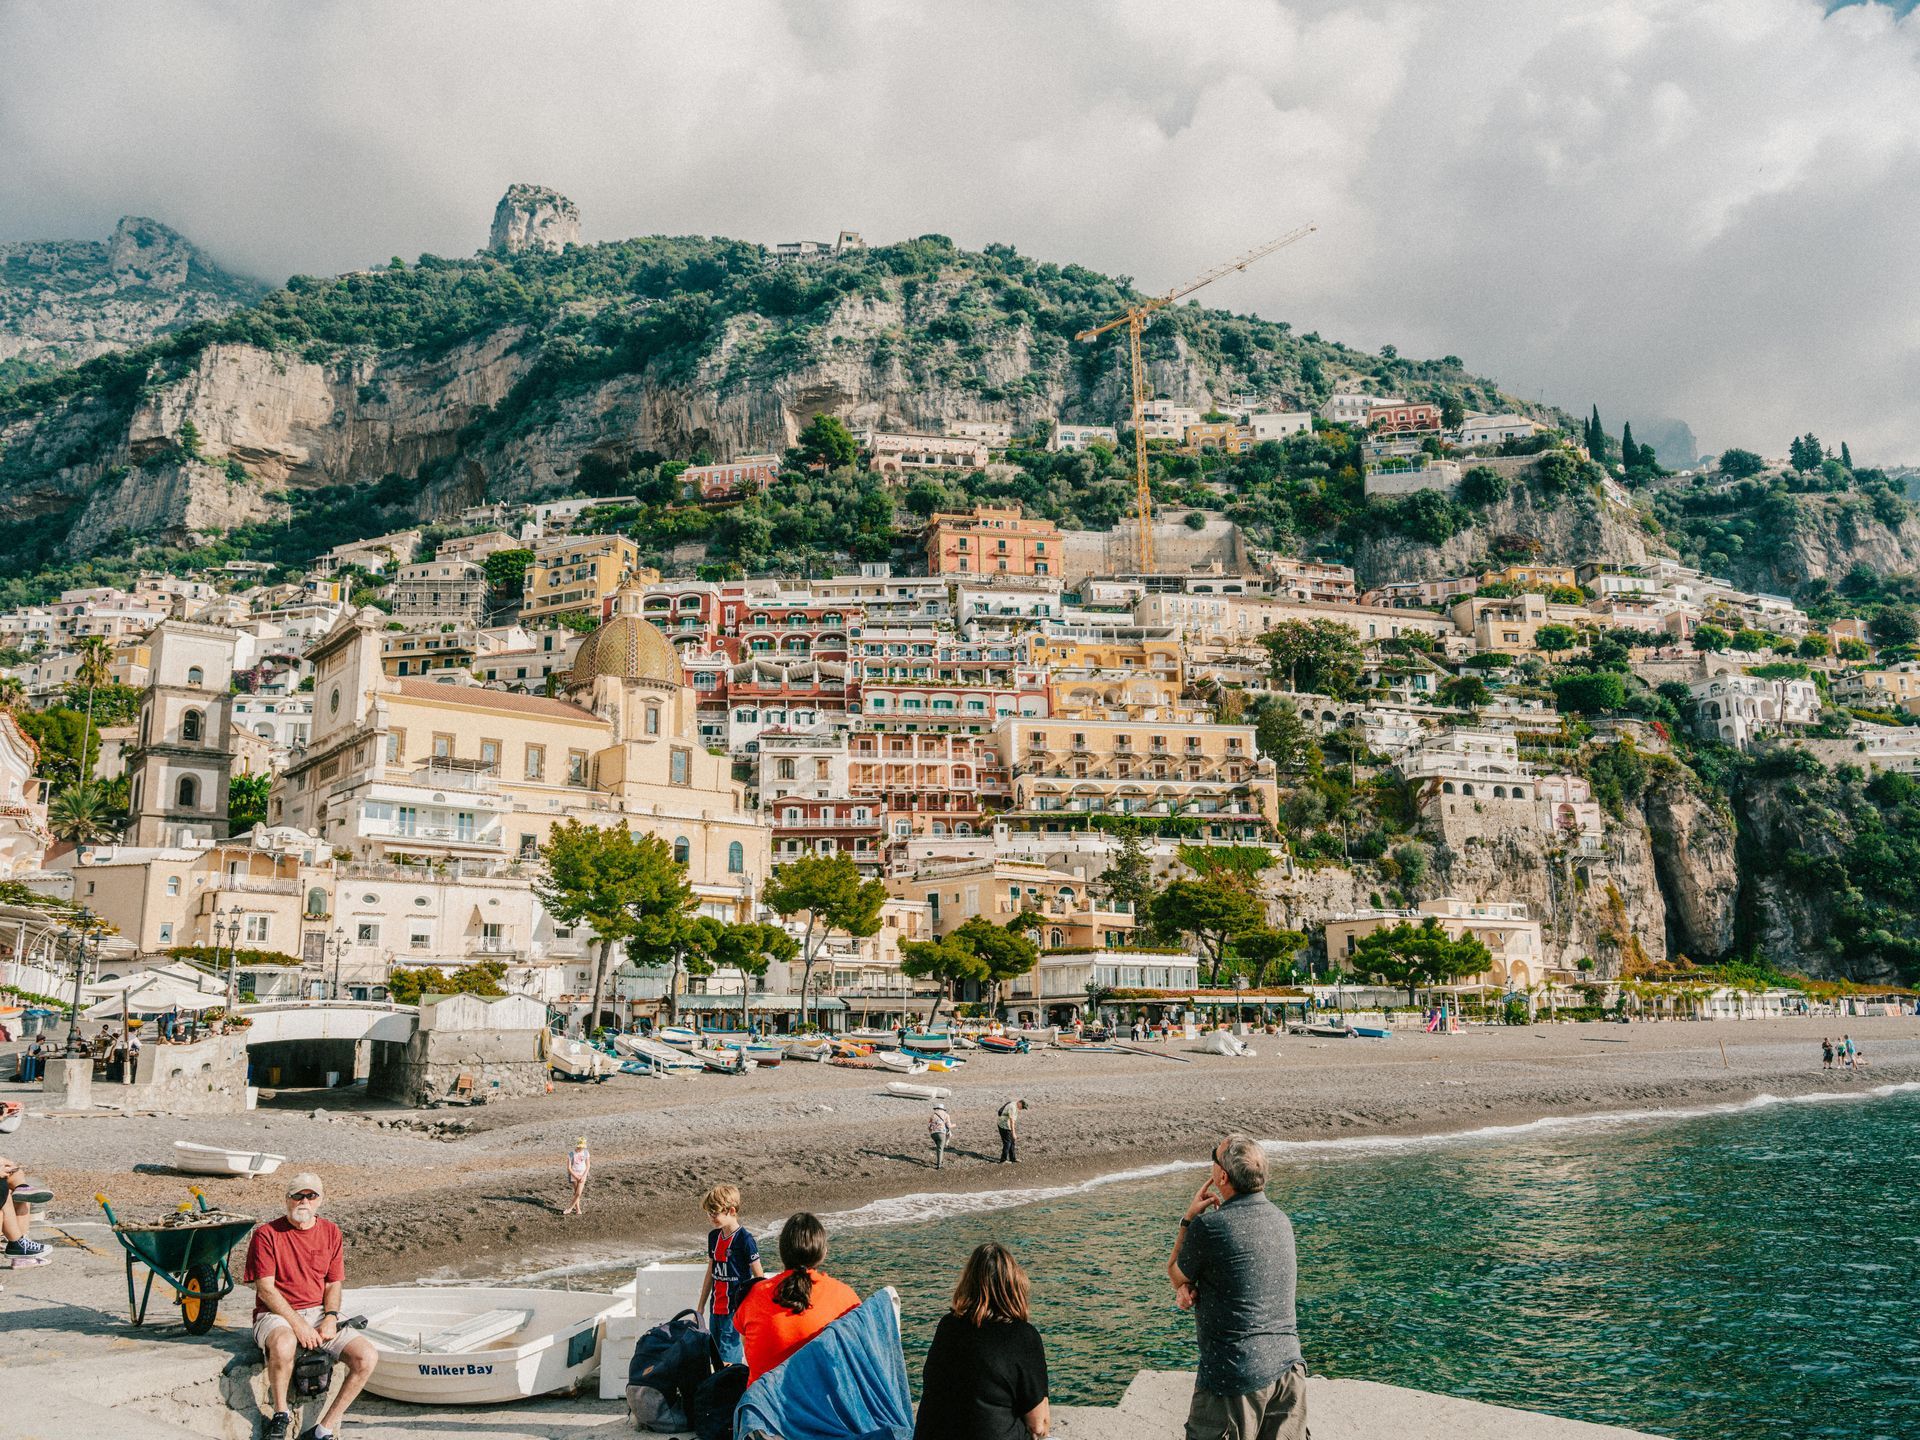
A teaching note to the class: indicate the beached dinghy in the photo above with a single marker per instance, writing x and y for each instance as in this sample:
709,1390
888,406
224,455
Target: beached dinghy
928,1042
1002,1045
904,1064
871,1036
1219,1042
766,1056
1324,1030
917,1092
1372,1032
458,1346
724,1062
577,1060
813,1050
192,1159
680,1037
660,1057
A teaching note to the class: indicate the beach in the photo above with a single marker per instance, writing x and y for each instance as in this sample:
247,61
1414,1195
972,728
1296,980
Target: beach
464,1193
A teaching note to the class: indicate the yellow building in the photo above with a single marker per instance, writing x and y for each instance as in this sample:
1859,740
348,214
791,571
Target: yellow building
1512,937
1063,910
1116,679
416,770
577,574
1526,577
1065,768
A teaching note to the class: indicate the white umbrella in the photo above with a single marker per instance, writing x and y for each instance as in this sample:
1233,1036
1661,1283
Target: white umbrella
152,995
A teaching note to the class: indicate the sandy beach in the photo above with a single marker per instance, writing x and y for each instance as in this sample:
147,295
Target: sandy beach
462,1192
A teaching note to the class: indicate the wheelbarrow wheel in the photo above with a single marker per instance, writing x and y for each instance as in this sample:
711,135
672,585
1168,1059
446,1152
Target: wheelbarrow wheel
200,1299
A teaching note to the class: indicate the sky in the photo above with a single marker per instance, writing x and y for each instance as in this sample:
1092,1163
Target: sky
1696,209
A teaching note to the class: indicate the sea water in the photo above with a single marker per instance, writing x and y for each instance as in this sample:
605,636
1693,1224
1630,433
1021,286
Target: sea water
1745,1272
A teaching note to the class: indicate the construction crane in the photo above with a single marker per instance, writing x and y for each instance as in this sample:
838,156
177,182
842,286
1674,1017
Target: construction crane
1135,320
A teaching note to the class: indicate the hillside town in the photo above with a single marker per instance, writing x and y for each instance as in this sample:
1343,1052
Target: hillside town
1013,725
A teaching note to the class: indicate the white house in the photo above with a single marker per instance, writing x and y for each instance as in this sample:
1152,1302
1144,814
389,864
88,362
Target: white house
1492,429
1078,437
1741,708
1279,424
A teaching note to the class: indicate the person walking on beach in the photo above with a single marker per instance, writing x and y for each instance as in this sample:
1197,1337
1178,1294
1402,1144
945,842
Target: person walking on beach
940,1132
579,1164
297,1267
777,1318
1234,1266
733,1264
986,1371
1847,1052
1010,1131
1826,1053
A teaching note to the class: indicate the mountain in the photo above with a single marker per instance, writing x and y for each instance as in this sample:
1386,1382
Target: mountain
66,301
539,363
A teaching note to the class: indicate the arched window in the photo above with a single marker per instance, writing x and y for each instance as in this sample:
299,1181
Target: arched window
196,676
682,851
187,794
1056,937
1446,787
316,901
191,725
736,858
173,884
1466,789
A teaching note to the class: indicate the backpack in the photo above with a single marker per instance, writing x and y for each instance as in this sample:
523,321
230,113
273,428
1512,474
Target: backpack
671,1359
652,1410
312,1373
710,1408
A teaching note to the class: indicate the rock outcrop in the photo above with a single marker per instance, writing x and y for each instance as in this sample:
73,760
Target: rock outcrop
62,302
1580,526
532,217
1694,848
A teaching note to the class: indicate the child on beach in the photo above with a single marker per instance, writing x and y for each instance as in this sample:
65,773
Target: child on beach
579,1162
733,1264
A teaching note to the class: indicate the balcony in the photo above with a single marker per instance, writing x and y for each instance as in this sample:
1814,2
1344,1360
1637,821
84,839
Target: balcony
256,885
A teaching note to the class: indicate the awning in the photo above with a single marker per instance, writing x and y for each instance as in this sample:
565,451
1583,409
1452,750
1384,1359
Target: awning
767,1004
151,995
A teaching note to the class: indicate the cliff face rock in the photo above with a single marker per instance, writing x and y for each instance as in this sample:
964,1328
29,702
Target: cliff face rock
68,301
1578,526
1831,535
532,217
1694,848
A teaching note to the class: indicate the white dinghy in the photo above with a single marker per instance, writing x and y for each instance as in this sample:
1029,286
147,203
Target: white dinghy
450,1345
917,1092
661,1057
904,1064
192,1159
577,1060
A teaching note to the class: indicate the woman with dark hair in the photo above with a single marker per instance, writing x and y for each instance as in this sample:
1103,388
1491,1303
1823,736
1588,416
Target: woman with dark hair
781,1313
986,1372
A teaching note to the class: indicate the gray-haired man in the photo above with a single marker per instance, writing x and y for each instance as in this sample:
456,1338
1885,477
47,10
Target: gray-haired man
1233,1265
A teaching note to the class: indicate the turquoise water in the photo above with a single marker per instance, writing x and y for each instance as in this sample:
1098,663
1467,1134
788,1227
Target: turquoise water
1740,1275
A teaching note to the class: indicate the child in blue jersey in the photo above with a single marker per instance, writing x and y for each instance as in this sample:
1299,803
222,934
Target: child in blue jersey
733,1264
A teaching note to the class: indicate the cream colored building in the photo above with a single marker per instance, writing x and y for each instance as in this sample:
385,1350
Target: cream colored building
1240,620
1066,912
417,771
1064,768
24,836
1512,937
183,753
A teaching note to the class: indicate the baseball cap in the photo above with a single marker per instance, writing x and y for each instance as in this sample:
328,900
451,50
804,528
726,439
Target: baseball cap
305,1180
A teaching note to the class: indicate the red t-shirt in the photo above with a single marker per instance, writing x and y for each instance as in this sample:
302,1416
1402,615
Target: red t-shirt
770,1332
302,1262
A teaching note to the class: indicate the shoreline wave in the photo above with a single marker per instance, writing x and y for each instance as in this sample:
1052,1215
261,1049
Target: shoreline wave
923,1206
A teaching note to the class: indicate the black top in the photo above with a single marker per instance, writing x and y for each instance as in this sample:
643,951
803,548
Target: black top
980,1379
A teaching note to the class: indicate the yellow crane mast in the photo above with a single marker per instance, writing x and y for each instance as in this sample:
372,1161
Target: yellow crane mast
1135,320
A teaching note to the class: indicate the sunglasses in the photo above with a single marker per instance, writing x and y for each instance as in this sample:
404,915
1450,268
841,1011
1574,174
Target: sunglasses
304,1195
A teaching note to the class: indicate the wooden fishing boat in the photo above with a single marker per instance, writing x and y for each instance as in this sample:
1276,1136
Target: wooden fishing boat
1325,1030
653,1052
724,1062
766,1056
928,1042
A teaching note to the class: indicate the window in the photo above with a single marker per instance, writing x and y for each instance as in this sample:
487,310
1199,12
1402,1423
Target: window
680,768
576,767
187,795
419,937
316,902
536,762
257,928
404,820
736,858
173,884
191,725
490,756
333,701
653,715
396,745
783,770
166,933
196,676
682,851
442,747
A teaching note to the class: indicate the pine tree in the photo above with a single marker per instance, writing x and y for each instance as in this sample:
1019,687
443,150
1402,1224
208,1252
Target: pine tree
1629,457
1846,455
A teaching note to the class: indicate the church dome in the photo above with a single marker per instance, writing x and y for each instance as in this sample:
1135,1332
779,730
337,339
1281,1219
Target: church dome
625,647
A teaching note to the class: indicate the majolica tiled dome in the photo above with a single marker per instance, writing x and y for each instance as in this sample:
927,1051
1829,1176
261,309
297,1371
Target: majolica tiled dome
625,647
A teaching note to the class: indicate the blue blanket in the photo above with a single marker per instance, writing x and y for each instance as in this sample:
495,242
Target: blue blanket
847,1383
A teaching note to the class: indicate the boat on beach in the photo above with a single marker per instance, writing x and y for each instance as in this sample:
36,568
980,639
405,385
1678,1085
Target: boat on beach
1002,1045
577,1060
1372,1032
768,1056
1326,1030
899,1061
724,1062
455,1345
192,1159
928,1042
654,1053
809,1050
1221,1042
869,1035
917,1092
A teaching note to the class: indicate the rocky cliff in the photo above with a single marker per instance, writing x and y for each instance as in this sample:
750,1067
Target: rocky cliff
62,302
1584,525
532,217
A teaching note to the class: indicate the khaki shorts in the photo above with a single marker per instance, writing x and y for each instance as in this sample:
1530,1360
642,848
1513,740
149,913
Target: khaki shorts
266,1324
1277,1412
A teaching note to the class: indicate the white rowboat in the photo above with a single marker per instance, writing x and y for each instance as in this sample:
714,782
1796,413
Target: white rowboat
917,1092
578,1060
192,1159
661,1057
904,1064
451,1345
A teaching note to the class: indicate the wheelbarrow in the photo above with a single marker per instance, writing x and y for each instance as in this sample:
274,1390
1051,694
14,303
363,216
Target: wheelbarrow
187,1249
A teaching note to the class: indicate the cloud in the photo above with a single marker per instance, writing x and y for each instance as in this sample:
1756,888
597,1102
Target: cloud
1695,208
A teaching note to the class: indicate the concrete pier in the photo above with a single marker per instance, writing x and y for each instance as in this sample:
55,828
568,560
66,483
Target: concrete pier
77,1370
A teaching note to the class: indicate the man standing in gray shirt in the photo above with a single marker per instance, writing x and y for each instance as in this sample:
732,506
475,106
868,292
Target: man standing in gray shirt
1233,1265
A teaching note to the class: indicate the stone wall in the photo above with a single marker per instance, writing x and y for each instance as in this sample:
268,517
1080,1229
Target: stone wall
208,1077
504,1064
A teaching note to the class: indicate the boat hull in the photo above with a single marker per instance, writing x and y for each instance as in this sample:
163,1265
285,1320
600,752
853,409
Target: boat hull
917,1092
557,1347
191,1159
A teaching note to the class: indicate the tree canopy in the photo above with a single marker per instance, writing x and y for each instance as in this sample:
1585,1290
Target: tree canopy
828,890
1415,955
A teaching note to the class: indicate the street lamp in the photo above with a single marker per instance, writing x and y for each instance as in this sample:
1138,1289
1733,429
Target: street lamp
338,945
232,931
84,921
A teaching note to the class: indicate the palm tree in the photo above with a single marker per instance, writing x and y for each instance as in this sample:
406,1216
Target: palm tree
95,670
83,814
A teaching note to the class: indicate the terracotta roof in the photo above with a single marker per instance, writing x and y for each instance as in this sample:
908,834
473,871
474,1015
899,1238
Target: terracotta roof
483,699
